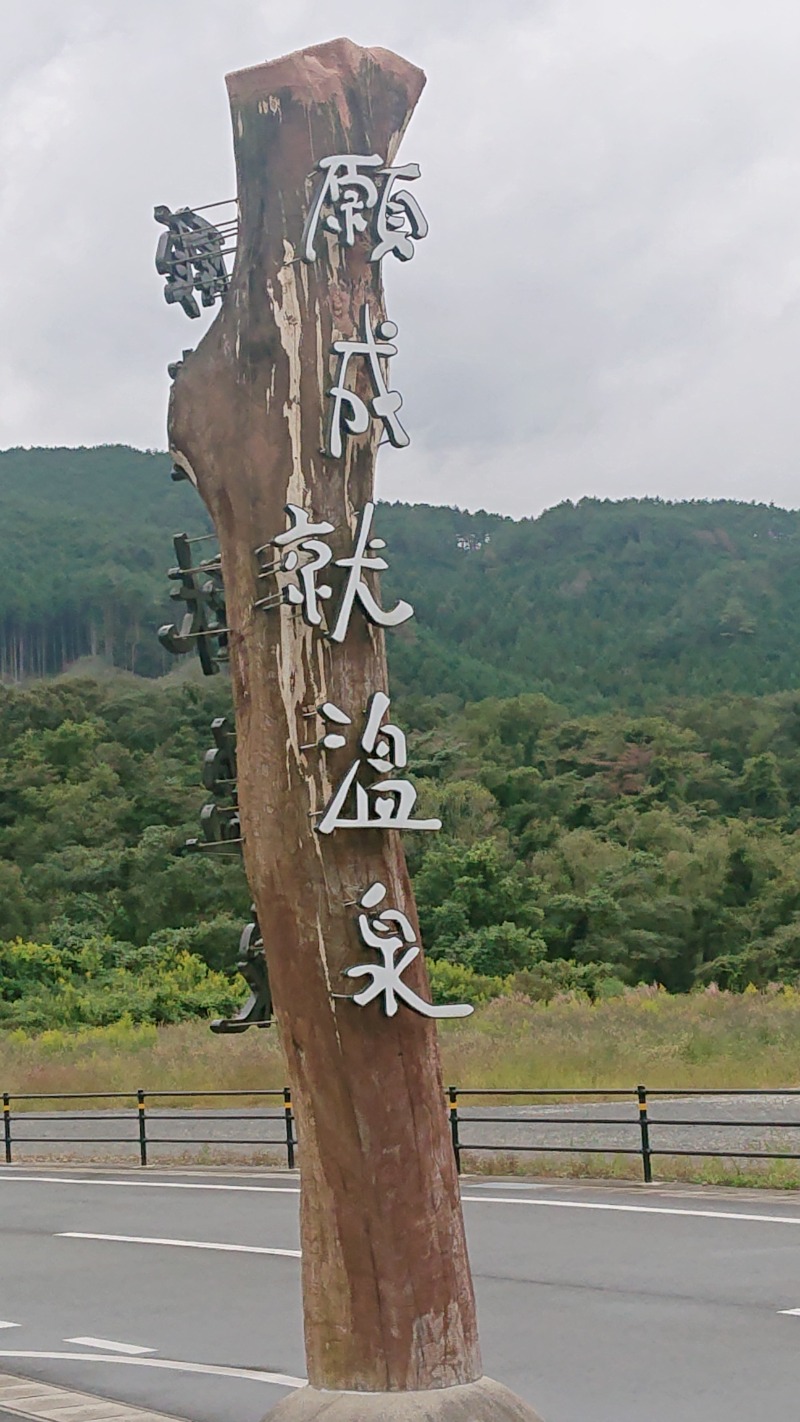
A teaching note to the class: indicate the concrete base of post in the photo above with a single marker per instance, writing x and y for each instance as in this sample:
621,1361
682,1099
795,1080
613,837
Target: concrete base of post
481,1401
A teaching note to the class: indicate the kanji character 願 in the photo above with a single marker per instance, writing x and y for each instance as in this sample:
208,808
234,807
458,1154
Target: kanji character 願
347,203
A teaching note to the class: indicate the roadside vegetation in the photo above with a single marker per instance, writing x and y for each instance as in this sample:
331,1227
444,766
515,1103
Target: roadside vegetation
703,1039
578,855
707,1039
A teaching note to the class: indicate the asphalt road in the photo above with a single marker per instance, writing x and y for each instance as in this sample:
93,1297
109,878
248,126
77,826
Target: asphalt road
247,1135
600,1303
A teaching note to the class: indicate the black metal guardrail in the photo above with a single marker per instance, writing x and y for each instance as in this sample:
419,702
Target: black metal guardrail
141,1115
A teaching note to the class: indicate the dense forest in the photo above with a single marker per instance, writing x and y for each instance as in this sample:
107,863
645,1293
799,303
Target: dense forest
595,605
603,710
578,852
86,542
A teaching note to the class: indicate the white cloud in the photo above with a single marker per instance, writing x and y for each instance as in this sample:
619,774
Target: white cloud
608,302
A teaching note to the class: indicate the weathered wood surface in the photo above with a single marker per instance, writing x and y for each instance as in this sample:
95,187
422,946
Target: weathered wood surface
387,1290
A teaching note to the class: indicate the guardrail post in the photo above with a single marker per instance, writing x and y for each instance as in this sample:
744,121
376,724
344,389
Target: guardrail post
289,1122
142,1128
452,1092
7,1125
644,1127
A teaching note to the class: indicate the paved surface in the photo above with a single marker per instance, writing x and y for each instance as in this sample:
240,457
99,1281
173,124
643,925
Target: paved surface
42,1402
597,1303
248,1135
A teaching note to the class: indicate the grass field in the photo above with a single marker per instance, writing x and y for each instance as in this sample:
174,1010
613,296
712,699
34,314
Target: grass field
705,1040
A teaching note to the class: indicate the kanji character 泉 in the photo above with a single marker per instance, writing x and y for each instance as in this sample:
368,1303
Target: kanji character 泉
388,933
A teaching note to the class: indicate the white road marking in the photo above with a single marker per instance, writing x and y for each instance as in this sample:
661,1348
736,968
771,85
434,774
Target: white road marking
467,1199
634,1209
5,1324
109,1347
149,1184
176,1244
794,1311
470,1199
168,1364
511,1185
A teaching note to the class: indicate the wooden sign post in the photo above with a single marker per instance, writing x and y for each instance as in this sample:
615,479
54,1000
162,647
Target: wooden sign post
268,414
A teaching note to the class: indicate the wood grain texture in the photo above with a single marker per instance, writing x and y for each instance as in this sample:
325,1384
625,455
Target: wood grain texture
387,1290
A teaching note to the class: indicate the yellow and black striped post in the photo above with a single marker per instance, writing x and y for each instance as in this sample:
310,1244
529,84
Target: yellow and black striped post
142,1127
7,1125
289,1123
644,1127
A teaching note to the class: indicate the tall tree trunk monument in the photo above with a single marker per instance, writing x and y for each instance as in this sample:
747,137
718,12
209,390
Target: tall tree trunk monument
276,418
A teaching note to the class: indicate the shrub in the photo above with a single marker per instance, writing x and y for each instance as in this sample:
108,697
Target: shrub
548,980
100,982
453,982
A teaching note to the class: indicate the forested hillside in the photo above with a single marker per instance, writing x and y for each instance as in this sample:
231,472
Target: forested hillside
605,712
85,542
630,604
577,852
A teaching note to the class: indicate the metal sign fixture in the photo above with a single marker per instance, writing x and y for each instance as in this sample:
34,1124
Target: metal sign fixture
190,254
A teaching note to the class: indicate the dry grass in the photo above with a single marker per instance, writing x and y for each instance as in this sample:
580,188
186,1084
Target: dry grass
123,1058
753,1174
705,1040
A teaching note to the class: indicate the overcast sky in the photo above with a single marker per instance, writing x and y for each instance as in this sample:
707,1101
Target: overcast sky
609,299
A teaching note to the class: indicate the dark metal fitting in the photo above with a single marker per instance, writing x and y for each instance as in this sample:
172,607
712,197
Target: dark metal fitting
207,632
